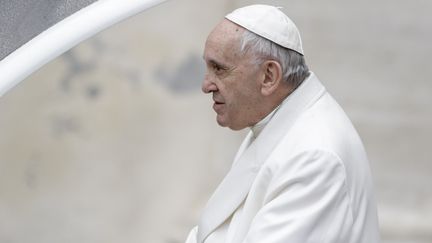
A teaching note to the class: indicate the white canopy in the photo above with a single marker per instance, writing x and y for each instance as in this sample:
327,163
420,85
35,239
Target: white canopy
35,32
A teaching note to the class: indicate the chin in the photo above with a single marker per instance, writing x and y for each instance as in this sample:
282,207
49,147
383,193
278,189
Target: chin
225,123
222,122
236,127
233,127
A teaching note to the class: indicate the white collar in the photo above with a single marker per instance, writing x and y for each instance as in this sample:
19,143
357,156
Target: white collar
257,128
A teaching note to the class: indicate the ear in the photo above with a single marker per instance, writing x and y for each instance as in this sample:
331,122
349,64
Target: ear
272,77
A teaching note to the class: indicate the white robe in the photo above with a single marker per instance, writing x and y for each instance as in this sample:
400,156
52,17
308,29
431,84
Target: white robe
304,179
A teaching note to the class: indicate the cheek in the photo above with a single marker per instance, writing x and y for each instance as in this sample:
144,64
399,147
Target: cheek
240,91
239,106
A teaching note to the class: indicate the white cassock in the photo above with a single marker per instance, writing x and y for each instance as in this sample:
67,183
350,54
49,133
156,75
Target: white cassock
304,179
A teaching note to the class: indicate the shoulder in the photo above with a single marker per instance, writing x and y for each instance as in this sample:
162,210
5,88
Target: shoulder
322,128
307,164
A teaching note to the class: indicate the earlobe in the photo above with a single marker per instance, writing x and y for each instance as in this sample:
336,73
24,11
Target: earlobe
272,77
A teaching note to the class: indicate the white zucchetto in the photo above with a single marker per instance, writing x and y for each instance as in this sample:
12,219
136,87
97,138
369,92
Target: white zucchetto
269,22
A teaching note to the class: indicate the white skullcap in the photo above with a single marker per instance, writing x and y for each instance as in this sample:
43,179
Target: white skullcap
269,22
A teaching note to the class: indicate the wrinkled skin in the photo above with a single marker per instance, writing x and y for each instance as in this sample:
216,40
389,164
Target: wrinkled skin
244,92
232,78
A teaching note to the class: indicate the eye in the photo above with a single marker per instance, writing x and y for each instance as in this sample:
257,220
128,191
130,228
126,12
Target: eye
216,67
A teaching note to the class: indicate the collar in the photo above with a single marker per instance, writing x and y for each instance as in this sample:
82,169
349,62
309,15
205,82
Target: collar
257,128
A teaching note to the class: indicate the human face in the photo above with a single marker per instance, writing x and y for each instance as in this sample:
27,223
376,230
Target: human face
231,77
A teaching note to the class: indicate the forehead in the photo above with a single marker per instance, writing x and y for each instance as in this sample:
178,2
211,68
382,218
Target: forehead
223,43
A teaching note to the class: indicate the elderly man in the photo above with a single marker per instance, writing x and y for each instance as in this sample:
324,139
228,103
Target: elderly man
301,175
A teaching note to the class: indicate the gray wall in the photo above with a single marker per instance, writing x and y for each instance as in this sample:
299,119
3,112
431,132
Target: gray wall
113,141
21,20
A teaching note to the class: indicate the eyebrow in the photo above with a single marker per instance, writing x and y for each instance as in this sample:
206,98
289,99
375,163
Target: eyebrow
211,60
214,62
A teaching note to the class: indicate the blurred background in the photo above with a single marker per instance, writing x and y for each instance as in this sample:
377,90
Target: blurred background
114,142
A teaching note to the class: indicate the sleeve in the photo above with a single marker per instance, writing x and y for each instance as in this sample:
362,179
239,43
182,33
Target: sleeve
307,201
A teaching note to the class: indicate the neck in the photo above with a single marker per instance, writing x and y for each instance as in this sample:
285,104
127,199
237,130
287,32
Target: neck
259,126
273,102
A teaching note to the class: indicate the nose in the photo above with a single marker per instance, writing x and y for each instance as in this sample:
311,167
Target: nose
208,85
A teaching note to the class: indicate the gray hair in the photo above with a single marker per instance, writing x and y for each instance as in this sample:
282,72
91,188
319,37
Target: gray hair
294,68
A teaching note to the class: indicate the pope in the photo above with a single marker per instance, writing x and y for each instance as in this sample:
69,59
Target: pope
301,174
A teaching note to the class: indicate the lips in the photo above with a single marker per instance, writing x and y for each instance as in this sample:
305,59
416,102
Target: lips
218,103
217,99
217,106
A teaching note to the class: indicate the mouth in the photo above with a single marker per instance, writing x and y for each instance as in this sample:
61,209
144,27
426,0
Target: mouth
217,101
217,106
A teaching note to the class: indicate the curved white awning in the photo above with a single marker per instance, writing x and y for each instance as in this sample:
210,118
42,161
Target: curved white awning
64,35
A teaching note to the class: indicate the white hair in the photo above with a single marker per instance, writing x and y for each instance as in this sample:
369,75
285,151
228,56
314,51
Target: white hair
294,68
